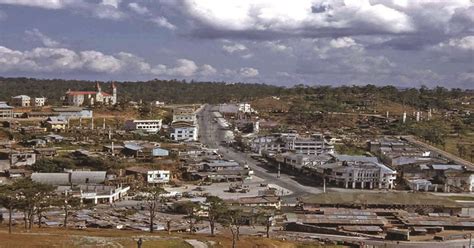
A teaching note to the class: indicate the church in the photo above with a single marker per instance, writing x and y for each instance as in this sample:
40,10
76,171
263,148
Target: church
91,98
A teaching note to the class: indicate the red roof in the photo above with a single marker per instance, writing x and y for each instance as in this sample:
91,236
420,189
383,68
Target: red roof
75,93
81,93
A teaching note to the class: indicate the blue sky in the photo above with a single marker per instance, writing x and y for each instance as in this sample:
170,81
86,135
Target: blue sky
314,42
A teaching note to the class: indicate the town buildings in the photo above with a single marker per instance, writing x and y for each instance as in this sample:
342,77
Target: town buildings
91,98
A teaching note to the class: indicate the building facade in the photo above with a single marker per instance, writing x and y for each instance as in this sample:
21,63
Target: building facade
150,126
184,131
21,101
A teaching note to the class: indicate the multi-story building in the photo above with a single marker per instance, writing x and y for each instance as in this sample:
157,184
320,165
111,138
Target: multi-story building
359,172
184,131
90,98
21,101
150,126
6,111
184,114
314,145
39,101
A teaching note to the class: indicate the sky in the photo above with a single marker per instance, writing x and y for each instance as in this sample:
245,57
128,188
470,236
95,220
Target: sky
406,43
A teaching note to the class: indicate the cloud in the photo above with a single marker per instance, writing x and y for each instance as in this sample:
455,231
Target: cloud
248,72
63,60
464,43
163,22
207,70
342,42
137,8
47,4
105,9
235,47
269,18
35,34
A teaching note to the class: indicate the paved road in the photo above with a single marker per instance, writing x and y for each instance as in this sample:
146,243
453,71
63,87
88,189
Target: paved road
212,135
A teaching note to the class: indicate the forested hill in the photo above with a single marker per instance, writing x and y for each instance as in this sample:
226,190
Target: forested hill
173,91
170,91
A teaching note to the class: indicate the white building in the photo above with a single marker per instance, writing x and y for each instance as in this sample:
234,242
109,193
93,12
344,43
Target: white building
150,126
39,101
245,108
314,145
184,114
21,101
158,176
360,172
184,131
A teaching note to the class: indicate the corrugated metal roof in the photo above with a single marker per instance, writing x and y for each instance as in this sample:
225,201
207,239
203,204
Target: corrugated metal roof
51,178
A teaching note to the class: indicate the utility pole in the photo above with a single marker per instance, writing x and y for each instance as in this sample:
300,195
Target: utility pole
324,185
278,175
470,240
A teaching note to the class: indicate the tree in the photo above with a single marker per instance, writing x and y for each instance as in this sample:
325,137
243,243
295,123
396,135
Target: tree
68,203
231,220
191,209
31,199
8,199
153,200
216,209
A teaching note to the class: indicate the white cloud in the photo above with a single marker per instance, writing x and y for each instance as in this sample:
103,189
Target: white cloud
247,56
113,3
47,4
277,46
137,8
61,60
207,70
307,17
163,22
342,42
464,43
44,39
232,48
248,72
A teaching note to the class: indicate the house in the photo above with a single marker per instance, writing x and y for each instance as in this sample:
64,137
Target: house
218,165
305,161
149,126
46,152
184,114
148,175
91,98
56,124
104,194
143,149
6,111
258,201
184,131
21,101
18,157
39,101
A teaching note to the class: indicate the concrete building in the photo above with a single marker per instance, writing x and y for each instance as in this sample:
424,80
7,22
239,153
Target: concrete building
39,101
314,145
359,172
149,126
21,101
245,108
184,131
184,114
56,124
148,175
91,98
6,111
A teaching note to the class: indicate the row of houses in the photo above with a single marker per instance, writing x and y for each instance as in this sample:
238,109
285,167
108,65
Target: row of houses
314,144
